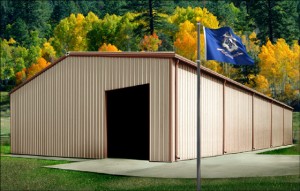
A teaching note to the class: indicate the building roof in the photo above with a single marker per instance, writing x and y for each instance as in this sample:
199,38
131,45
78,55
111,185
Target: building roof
169,55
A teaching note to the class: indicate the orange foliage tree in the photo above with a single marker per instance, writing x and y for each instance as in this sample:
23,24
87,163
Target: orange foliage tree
38,66
32,70
150,43
21,76
108,48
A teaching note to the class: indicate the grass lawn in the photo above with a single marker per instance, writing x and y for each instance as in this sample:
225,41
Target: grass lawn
294,150
29,174
5,149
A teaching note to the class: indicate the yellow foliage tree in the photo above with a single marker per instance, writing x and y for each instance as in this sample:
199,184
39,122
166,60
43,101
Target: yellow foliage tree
150,43
108,48
260,83
280,66
252,44
48,51
70,33
186,38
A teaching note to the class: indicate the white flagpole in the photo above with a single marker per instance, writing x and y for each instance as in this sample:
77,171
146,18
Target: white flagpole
198,108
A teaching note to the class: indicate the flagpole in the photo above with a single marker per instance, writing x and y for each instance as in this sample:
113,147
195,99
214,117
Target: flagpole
198,108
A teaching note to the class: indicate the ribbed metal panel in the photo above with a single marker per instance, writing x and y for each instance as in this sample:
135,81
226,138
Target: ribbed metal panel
211,114
277,125
262,123
187,111
62,111
288,127
238,120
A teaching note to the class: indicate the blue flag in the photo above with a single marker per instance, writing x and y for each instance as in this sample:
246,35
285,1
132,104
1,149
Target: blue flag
224,46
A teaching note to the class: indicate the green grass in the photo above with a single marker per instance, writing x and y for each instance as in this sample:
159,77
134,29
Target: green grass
5,149
294,150
29,174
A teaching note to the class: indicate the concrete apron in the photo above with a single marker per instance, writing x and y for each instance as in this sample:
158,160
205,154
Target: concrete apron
248,164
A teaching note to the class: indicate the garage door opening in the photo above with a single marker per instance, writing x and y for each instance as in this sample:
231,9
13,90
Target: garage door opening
128,122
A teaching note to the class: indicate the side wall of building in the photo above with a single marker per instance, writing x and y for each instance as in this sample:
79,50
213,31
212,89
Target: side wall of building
211,114
262,123
233,119
62,111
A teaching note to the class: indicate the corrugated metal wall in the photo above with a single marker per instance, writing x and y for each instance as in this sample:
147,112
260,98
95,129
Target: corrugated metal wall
238,120
262,123
187,111
277,125
62,111
211,116
211,110
288,132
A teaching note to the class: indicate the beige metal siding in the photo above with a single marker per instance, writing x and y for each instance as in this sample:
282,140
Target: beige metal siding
277,125
238,120
211,114
288,118
262,123
187,111
62,111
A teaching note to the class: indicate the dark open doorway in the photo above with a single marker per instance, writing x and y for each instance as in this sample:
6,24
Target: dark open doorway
128,122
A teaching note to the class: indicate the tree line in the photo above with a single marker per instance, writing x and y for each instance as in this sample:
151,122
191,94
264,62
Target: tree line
35,33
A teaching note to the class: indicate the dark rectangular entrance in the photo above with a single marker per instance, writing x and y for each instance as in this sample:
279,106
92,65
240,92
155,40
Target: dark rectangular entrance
128,122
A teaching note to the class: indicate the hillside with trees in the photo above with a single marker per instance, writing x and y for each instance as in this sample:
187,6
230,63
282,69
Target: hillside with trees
36,33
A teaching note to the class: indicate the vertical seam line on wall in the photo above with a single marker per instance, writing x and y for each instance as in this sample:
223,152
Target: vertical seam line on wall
253,121
170,110
283,127
224,87
10,122
271,124
176,110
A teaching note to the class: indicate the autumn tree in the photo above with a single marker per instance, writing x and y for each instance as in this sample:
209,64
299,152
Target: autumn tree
13,58
108,48
20,76
103,31
48,52
186,37
36,67
279,64
150,43
70,33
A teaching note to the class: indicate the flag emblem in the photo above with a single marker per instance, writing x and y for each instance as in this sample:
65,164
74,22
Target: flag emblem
224,46
229,42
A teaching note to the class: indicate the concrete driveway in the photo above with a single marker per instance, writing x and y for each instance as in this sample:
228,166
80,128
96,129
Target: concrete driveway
248,164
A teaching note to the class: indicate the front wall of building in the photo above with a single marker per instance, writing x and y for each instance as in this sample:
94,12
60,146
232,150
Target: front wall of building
62,111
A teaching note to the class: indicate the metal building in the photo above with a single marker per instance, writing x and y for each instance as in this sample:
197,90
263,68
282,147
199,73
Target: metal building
140,106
